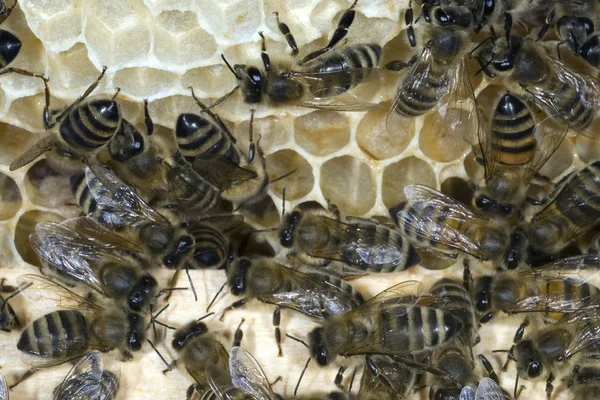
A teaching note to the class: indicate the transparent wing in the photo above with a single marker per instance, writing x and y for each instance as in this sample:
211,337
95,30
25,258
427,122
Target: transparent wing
438,218
248,376
220,383
115,195
467,393
89,379
4,391
221,172
587,320
577,270
42,146
489,390
46,294
395,380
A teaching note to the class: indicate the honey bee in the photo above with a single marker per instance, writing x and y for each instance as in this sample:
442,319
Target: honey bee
317,236
8,317
583,381
445,225
84,127
89,379
548,351
571,213
569,97
316,81
514,148
487,389
79,250
554,289
313,293
386,379
387,324
79,325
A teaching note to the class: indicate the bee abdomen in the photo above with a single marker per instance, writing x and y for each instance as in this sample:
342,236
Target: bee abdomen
211,249
91,125
57,335
415,100
574,107
512,132
9,49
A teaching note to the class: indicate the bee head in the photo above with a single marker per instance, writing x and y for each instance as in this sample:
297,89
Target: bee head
286,234
528,359
236,275
489,206
128,142
189,331
136,331
482,293
318,346
10,46
455,15
118,279
184,246
142,293
251,81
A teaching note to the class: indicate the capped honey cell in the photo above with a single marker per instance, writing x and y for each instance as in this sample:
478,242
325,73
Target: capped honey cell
446,139
321,132
402,173
381,140
299,183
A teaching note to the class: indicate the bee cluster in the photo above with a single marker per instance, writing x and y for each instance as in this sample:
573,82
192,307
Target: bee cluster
153,204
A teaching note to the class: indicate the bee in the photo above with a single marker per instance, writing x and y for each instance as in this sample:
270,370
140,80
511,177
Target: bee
446,226
82,129
8,317
316,81
571,213
554,289
387,324
78,325
386,379
313,293
4,390
570,97
548,351
487,389
89,379
583,383
317,236
514,148
80,250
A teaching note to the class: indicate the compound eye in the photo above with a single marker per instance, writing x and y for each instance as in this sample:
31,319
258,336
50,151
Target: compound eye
505,65
238,286
483,302
322,357
588,25
506,210
442,17
484,203
255,75
534,369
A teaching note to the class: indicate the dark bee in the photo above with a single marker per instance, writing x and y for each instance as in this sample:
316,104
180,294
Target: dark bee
568,96
83,128
445,225
584,381
89,379
514,148
81,251
571,213
387,324
313,293
317,80
384,378
317,236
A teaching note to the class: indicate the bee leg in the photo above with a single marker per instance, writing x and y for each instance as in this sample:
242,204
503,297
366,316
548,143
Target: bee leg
285,30
6,288
467,277
276,323
408,21
376,372
340,32
173,365
22,72
263,53
190,392
489,369
233,306
549,386
547,22
239,334
508,26
339,377
26,375
148,119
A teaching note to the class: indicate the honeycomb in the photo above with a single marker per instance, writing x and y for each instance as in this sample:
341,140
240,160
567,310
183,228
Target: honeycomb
156,49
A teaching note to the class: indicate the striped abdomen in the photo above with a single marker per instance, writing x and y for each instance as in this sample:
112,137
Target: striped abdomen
196,135
584,383
85,386
511,133
564,293
91,125
211,248
353,57
418,329
82,191
375,248
9,48
456,300
336,303
418,96
59,335
570,102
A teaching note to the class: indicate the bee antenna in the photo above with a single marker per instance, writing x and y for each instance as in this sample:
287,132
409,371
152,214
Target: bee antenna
283,176
169,290
516,385
116,93
283,204
216,295
481,44
251,127
160,355
13,294
351,382
297,340
187,272
204,317
229,66
301,376
484,66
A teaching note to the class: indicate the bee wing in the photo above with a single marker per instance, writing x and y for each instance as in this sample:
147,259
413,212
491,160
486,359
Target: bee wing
440,220
46,294
587,319
488,390
322,84
571,269
467,393
587,87
118,197
371,386
220,383
89,371
4,391
44,145
248,376
221,172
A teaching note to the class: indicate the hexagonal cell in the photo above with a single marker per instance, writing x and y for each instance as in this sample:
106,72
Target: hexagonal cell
489,96
14,142
72,70
211,80
380,141
434,261
144,82
458,189
474,170
166,110
402,173
348,183
46,187
180,40
272,131
587,149
57,25
118,32
25,227
10,197
560,160
322,132
29,110
297,185
446,139
231,20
